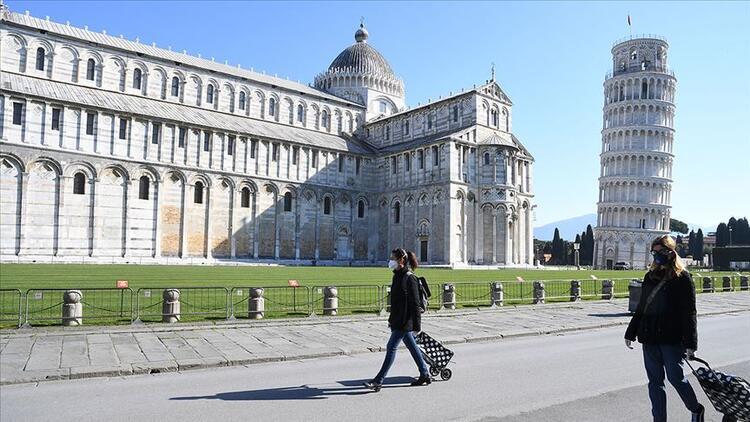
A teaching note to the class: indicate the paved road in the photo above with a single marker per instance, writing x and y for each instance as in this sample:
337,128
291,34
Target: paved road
582,376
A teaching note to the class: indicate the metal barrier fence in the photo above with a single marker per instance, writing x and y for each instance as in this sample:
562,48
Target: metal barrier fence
195,303
11,306
467,294
351,299
45,305
279,301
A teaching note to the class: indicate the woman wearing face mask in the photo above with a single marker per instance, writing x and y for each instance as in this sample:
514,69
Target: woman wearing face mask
405,317
665,322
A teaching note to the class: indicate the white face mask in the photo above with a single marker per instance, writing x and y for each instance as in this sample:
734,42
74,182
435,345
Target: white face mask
392,265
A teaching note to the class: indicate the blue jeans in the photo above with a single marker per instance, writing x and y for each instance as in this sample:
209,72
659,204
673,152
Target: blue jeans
390,354
658,358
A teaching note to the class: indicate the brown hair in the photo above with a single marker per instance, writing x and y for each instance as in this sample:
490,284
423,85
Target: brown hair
409,257
666,241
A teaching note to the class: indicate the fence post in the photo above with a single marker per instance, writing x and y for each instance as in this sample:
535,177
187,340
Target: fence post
744,283
539,293
256,305
575,290
449,296
72,309
170,310
726,284
708,285
498,295
330,301
608,289
634,294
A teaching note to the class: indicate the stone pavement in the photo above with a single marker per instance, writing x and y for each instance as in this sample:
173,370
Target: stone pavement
39,354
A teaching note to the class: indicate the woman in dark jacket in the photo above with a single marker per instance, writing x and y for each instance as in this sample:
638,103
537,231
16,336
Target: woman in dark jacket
665,323
405,318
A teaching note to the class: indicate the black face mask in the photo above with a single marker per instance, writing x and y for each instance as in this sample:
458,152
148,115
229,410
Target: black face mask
661,258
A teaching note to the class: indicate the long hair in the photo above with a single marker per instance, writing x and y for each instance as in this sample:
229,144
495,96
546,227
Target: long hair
676,265
410,260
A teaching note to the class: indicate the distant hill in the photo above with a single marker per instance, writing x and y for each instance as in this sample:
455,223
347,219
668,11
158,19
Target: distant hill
572,226
568,228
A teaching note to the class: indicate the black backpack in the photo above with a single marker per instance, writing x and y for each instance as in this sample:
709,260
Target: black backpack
424,293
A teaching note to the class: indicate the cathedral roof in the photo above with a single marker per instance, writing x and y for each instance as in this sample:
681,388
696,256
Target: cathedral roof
360,57
102,39
495,139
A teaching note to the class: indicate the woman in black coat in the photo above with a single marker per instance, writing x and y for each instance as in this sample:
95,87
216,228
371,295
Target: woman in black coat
665,323
405,318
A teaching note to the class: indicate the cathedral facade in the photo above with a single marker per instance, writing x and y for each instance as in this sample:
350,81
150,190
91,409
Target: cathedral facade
116,151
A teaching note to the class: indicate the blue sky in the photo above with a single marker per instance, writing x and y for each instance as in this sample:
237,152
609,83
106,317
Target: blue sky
550,57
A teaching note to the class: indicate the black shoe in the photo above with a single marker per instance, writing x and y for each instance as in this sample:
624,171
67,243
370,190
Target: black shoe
372,385
699,416
423,380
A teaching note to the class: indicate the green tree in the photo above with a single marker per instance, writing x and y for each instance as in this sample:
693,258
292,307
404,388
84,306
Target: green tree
558,248
677,226
722,235
691,244
699,246
743,232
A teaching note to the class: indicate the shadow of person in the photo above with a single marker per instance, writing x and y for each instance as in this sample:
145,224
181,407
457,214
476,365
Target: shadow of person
612,315
302,392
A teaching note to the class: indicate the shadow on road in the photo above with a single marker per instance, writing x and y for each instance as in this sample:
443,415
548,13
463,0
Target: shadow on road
302,392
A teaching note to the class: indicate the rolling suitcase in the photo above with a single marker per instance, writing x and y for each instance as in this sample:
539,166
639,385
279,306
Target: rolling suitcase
729,394
436,355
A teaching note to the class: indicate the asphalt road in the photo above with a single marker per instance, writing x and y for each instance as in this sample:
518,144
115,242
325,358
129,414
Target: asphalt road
584,376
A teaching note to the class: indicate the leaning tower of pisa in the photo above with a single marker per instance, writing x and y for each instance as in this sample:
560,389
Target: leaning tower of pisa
635,182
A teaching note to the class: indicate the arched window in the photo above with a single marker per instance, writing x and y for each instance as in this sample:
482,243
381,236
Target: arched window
486,158
40,58
397,213
198,193
291,113
175,86
351,125
272,107
287,202
137,76
361,209
327,205
79,183
506,120
210,94
495,119
245,198
300,113
324,119
406,127
387,133
242,100
143,187
90,69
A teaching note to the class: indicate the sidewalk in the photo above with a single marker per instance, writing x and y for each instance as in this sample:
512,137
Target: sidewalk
55,353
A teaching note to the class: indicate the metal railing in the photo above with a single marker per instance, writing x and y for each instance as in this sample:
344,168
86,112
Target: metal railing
209,303
470,294
11,306
279,301
639,68
639,36
45,305
351,299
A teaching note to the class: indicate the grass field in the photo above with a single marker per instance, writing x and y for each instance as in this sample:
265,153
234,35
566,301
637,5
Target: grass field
216,292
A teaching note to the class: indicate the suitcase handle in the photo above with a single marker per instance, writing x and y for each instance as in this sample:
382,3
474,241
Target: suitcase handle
697,359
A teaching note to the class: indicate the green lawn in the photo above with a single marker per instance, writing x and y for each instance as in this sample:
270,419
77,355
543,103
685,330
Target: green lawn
214,292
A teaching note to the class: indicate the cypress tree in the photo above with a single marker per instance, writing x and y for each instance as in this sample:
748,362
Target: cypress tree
691,244
590,245
722,235
699,246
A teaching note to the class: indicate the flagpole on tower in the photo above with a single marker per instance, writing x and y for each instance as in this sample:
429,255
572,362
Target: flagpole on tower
630,26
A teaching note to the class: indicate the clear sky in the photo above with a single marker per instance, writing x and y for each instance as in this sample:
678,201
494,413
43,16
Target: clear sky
551,58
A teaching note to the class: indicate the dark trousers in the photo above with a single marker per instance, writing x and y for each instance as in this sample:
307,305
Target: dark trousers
661,358
390,354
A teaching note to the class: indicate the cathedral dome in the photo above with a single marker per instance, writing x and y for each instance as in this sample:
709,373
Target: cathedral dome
360,57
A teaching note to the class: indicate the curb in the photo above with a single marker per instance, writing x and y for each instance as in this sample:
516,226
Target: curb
145,368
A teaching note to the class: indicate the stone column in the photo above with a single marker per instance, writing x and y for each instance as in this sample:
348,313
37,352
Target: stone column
449,296
72,309
508,248
158,184
170,311
256,304
330,301
23,241
494,235
230,220
209,224
184,214
297,224
255,197
277,229
126,225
